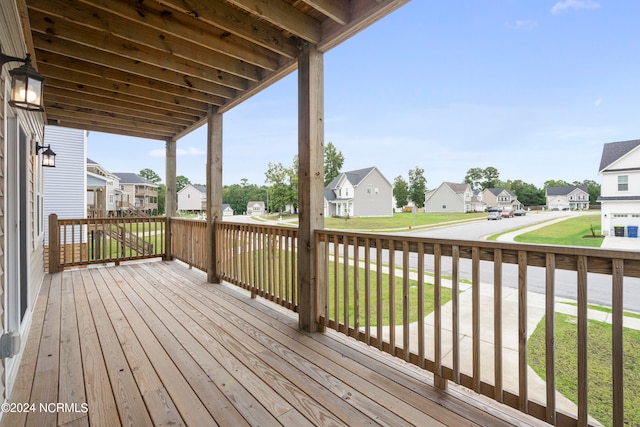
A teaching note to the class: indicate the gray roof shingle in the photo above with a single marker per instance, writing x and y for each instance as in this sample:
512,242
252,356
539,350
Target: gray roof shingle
612,151
132,178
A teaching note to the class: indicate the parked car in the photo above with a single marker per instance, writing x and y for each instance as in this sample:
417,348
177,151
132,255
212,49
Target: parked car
494,214
520,212
507,213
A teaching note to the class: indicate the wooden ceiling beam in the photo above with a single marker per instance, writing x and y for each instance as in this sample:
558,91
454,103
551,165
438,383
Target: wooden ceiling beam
62,68
78,52
284,16
132,101
100,21
225,17
166,20
58,31
336,10
97,127
106,118
68,99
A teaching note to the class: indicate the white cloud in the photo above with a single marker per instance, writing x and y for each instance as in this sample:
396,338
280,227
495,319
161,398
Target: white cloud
190,151
574,4
523,24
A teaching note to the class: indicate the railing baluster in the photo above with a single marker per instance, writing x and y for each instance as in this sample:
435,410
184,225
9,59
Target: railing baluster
392,297
379,292
421,314
345,282
439,381
455,311
406,345
356,287
550,334
497,323
523,396
367,290
336,281
475,315
617,359
583,406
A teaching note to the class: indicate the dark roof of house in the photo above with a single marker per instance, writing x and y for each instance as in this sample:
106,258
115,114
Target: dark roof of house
132,178
200,188
496,191
355,177
456,187
91,162
564,190
612,151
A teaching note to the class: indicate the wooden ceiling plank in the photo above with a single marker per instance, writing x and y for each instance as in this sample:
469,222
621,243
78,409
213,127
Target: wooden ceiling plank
132,100
58,31
155,16
105,118
97,127
336,10
124,31
81,53
218,14
282,15
58,66
57,96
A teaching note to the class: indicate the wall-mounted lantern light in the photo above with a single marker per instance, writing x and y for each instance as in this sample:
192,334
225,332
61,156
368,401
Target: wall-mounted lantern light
26,84
48,156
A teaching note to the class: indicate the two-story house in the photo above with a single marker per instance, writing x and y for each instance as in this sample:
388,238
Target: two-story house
567,197
362,193
620,189
139,194
104,196
453,197
500,198
192,198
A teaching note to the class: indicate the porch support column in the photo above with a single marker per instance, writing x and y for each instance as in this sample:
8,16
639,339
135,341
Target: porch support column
170,196
214,191
310,184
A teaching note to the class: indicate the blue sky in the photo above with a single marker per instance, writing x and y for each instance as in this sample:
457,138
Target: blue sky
533,88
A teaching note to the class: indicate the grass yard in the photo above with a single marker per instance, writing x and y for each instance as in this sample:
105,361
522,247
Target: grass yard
399,220
568,233
599,366
386,297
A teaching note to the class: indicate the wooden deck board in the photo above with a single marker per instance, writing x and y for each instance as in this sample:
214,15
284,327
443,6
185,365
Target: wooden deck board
154,344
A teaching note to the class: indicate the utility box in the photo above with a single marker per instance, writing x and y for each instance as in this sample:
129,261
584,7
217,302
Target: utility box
632,231
618,230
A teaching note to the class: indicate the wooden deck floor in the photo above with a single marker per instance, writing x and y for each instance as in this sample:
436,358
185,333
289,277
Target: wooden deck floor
154,344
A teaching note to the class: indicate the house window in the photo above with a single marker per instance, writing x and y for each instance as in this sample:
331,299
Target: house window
346,192
369,190
188,196
623,183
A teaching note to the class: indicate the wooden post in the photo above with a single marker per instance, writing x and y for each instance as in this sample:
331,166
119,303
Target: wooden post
311,284
54,244
170,200
214,191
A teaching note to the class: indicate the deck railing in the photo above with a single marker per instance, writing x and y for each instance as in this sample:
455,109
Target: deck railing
376,294
451,307
189,242
80,242
260,258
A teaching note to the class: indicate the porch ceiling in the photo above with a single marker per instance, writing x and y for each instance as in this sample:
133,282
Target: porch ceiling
153,68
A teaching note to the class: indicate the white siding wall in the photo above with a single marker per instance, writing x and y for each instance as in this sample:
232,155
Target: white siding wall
65,186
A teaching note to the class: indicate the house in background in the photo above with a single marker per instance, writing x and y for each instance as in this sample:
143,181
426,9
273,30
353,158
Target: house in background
227,210
65,185
192,198
500,198
255,208
620,188
567,197
453,197
140,196
360,193
104,197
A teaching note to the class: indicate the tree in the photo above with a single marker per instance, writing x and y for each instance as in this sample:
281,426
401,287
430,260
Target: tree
333,161
238,195
283,189
555,183
162,196
400,191
417,186
181,182
528,194
150,175
481,179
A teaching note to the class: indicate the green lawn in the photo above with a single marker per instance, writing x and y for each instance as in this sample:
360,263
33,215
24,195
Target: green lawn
399,220
568,233
386,298
599,366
